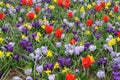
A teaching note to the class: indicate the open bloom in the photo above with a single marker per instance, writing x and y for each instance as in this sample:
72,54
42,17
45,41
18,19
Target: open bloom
2,15
70,14
58,33
25,2
89,22
116,8
31,15
98,8
118,33
106,18
70,76
37,8
60,2
87,61
48,29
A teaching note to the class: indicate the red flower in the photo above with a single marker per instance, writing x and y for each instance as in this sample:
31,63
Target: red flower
48,29
115,8
89,22
2,15
30,2
24,2
102,4
31,15
37,8
86,62
106,18
58,33
70,76
72,41
97,8
66,3
60,2
70,14
118,33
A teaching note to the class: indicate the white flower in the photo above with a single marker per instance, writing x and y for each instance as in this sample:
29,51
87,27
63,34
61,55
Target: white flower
28,71
29,78
39,69
92,48
51,77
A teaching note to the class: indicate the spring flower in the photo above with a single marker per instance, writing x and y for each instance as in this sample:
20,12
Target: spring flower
28,71
93,3
39,69
112,42
87,32
30,2
98,8
116,8
72,41
51,7
87,62
2,16
70,14
106,18
48,71
82,9
89,6
55,1
60,2
31,15
111,14
92,58
48,29
1,54
89,22
92,47
65,70
118,33
58,44
8,54
56,65
24,2
51,77
66,3
118,39
1,39
49,54
1,3
70,76
102,4
58,33
29,78
100,74
37,9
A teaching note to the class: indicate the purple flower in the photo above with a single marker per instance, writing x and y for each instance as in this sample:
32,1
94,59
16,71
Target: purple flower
9,47
58,44
44,49
68,62
100,74
48,66
39,69
29,78
76,37
28,71
61,61
16,57
5,28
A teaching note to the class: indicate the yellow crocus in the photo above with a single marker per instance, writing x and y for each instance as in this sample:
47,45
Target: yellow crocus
49,54
48,71
1,54
1,39
56,65
8,54
51,7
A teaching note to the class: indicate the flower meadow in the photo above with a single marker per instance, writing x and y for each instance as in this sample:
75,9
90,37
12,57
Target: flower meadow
60,39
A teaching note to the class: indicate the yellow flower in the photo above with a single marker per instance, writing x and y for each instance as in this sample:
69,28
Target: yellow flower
39,34
37,39
49,54
117,2
43,26
93,3
111,14
81,43
82,9
23,36
118,17
76,18
27,25
77,79
92,58
89,6
8,54
87,32
56,65
112,42
108,4
65,70
55,1
51,7
118,39
44,20
48,71
1,54
1,3
1,39
106,7
96,27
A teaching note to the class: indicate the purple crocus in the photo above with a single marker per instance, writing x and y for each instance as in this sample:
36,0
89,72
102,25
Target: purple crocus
5,28
16,57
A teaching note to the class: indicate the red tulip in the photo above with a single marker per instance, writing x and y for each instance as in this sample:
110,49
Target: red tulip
31,15
115,8
70,14
89,22
66,3
60,2
58,33
37,8
48,29
30,2
24,2
86,62
118,33
97,8
2,15
70,76
106,18
102,4
72,41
